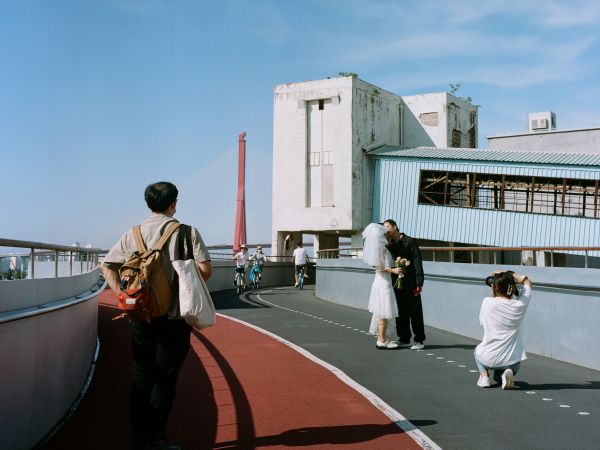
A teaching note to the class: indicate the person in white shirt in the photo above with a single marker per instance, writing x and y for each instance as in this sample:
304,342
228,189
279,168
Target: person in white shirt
300,260
241,262
501,316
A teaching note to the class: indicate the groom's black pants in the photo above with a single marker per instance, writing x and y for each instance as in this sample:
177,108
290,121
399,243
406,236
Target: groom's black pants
410,315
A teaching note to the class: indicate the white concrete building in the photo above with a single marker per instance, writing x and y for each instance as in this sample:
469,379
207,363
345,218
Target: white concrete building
542,136
322,179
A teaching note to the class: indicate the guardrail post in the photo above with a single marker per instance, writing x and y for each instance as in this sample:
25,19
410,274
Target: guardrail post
471,256
586,259
32,263
80,263
55,263
551,259
70,262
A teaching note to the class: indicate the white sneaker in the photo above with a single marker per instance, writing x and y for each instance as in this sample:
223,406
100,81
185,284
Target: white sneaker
387,345
508,381
484,382
418,346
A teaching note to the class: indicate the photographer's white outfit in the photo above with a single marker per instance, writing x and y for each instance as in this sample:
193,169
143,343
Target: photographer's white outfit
502,346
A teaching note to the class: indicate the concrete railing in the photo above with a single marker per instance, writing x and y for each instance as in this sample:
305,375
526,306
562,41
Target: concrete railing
561,321
274,274
48,342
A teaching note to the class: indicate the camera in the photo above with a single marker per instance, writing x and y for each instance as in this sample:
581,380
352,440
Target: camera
492,278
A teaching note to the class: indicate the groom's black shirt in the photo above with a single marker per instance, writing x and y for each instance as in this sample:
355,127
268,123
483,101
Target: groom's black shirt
408,248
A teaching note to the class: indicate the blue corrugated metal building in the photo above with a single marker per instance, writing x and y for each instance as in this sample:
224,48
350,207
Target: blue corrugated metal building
398,194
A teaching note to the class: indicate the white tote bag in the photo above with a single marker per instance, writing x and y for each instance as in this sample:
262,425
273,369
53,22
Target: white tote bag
195,303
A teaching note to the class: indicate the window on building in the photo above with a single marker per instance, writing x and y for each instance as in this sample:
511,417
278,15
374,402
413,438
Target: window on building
315,159
542,195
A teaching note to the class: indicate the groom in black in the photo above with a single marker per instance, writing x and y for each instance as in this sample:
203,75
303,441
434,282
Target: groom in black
408,298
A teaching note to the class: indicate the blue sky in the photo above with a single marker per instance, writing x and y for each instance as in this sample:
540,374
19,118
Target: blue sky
100,97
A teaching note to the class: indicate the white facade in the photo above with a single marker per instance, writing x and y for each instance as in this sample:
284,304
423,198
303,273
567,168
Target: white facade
439,120
322,179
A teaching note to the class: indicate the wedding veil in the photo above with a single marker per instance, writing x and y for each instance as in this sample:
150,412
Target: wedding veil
374,243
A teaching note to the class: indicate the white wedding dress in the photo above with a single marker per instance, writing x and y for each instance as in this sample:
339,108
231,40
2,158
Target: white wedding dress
382,301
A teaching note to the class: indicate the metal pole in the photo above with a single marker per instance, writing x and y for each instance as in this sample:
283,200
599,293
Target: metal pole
586,259
32,263
70,262
55,263
551,258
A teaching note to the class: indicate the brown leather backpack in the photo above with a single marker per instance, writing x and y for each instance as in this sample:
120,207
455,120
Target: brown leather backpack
145,291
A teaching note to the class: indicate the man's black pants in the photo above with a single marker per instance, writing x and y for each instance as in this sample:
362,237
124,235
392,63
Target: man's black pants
410,314
159,349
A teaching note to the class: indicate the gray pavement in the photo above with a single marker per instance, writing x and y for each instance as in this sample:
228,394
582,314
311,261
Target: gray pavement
557,405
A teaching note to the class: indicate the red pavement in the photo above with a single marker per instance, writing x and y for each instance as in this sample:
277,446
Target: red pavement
238,388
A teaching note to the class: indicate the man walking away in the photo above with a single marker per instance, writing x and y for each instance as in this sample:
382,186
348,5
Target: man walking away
161,345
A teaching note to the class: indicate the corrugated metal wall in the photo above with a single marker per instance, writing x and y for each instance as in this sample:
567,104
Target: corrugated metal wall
396,193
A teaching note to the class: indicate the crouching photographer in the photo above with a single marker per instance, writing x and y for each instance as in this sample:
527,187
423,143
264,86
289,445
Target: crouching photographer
501,316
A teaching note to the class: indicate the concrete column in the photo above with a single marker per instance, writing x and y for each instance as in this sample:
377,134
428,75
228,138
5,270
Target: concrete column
325,241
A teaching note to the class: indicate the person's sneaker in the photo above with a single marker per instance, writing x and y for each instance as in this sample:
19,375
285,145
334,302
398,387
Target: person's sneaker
484,382
508,381
417,346
387,345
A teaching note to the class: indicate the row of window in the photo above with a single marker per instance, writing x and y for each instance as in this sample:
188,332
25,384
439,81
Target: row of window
544,195
315,158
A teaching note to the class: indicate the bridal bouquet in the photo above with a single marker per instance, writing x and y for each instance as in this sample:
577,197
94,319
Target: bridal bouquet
401,263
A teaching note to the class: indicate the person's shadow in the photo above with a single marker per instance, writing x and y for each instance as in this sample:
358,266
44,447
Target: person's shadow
557,386
344,434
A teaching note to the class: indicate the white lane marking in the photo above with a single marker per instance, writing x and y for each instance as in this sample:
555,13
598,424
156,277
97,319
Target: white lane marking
473,371
547,399
461,365
440,357
530,392
449,361
402,422
583,413
430,354
564,406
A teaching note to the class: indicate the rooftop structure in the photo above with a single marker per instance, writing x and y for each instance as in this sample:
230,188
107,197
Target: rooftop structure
542,136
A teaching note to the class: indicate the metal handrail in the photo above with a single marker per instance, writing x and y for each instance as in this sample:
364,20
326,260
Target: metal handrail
353,252
91,253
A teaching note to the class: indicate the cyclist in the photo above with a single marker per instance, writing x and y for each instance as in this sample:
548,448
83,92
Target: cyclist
241,262
300,260
258,260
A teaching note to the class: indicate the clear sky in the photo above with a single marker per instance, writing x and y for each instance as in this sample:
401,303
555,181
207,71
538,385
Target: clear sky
98,98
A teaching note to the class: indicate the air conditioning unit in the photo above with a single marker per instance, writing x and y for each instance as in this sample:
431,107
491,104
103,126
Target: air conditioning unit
541,121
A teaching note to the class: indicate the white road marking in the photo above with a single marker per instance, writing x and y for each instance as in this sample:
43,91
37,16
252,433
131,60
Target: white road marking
402,422
564,406
461,365
583,413
547,399
530,392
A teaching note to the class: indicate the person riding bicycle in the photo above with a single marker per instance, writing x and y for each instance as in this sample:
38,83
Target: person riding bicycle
300,260
258,260
241,262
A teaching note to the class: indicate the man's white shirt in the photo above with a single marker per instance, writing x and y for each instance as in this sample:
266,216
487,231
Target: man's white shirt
241,259
300,256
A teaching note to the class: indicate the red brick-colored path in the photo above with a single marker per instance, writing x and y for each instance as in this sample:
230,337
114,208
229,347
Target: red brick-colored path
238,388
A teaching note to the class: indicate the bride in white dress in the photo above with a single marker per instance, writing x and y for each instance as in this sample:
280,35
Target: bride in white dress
382,301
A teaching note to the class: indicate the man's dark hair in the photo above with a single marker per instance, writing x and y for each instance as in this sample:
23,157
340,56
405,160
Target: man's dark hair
392,222
299,244
159,196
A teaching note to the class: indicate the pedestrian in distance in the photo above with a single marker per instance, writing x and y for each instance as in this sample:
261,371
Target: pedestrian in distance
501,316
160,345
408,296
382,301
241,263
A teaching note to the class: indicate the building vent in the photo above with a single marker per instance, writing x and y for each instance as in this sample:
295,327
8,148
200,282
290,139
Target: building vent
541,121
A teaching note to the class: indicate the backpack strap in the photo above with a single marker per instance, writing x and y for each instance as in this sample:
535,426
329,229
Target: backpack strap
171,228
139,241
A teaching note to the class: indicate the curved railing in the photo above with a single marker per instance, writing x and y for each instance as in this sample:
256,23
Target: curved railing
526,256
86,258
48,338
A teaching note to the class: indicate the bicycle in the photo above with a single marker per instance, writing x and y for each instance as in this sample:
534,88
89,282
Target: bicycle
239,279
301,277
256,275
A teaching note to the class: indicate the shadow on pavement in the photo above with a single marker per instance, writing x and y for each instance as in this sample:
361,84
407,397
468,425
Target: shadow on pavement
345,434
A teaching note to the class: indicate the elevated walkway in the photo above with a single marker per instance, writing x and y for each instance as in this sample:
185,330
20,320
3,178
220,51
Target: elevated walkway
244,388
